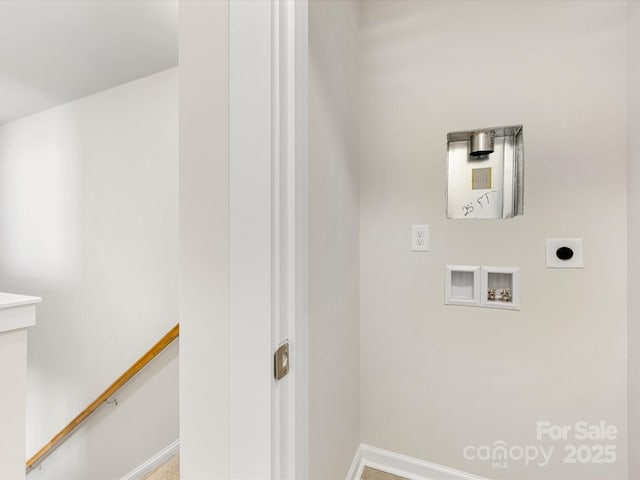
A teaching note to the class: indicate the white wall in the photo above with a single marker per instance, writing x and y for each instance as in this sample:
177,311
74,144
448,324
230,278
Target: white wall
88,221
13,378
436,378
204,240
633,219
333,239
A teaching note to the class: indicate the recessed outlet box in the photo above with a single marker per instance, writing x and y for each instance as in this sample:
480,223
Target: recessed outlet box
565,253
462,285
500,287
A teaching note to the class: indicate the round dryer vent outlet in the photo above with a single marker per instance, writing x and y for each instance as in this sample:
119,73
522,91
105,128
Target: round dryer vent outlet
564,253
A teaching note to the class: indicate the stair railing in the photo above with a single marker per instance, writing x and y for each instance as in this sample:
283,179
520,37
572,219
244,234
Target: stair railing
104,397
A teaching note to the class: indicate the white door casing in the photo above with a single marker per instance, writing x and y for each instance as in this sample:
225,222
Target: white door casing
268,252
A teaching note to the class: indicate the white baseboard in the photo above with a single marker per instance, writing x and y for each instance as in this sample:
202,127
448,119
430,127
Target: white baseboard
402,466
154,462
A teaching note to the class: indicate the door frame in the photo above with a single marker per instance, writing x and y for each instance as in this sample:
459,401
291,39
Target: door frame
268,276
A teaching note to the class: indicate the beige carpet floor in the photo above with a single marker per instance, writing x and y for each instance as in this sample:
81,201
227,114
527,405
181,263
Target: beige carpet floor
373,474
168,471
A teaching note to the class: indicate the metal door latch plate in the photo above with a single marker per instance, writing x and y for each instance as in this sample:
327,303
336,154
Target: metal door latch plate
281,361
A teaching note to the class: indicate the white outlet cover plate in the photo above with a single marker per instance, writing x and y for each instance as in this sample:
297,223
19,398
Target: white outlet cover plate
575,244
419,238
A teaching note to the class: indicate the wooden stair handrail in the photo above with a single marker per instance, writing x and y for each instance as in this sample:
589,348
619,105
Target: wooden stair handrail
104,396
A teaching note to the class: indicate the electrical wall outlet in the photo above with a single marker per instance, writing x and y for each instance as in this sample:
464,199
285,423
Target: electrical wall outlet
419,238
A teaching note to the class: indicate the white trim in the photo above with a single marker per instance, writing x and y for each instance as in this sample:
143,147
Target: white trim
355,471
8,300
154,462
299,85
17,311
287,285
268,231
403,466
250,239
16,318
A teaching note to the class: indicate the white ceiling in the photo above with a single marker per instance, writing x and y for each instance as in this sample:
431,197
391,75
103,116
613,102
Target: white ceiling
55,51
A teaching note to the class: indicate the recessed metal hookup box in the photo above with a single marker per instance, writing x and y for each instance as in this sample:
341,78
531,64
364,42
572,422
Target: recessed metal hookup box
485,173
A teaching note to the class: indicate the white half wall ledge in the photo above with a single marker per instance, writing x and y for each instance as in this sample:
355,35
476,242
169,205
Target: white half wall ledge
17,311
403,466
